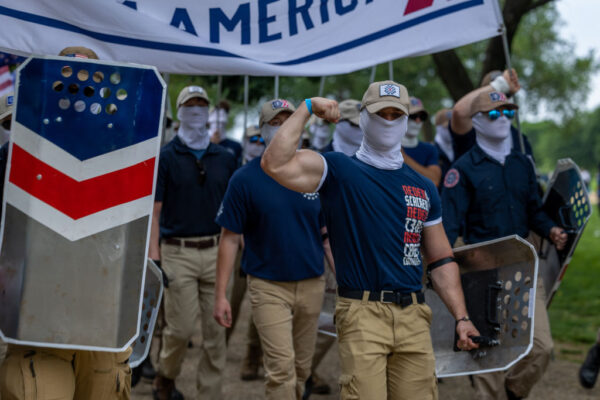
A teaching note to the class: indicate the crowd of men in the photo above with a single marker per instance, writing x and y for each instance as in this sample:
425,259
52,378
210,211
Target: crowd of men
370,200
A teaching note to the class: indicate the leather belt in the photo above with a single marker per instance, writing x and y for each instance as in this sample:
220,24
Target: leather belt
385,296
194,244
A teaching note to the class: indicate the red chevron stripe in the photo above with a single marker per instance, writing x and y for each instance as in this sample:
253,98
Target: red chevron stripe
79,199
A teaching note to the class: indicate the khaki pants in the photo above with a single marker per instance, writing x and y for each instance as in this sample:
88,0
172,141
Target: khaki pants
286,317
521,378
37,373
385,351
3,347
190,294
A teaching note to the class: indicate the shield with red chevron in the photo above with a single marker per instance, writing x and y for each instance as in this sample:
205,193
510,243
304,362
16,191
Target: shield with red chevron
78,197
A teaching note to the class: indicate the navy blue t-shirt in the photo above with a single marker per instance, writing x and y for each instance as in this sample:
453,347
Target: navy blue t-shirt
374,218
424,153
281,228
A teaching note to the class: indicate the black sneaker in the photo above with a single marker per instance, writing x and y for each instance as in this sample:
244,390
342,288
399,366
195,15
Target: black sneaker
589,369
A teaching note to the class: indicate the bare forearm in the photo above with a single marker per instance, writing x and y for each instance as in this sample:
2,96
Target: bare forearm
154,248
228,247
328,255
446,283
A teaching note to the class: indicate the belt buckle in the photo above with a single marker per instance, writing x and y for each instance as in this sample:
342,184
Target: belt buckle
382,293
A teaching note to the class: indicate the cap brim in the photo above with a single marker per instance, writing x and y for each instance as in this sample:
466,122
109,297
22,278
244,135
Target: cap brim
191,96
380,105
5,114
355,120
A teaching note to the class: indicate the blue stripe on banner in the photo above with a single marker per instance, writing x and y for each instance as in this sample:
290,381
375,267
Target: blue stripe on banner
54,23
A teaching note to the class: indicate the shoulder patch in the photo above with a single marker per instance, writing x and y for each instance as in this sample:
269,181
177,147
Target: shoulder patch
452,178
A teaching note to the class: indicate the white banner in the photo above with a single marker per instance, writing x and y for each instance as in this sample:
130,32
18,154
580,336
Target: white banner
258,37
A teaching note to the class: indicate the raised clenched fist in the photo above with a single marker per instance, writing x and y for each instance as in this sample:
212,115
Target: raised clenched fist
325,108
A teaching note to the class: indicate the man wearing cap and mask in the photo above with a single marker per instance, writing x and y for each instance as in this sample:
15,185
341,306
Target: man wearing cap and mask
463,141
420,156
283,257
40,373
443,139
380,214
192,178
491,192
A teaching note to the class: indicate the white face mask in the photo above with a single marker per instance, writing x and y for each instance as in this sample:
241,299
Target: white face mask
320,135
382,144
267,132
413,128
253,150
443,138
493,136
192,129
347,138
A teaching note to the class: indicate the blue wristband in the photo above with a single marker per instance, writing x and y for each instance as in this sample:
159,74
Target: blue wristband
308,105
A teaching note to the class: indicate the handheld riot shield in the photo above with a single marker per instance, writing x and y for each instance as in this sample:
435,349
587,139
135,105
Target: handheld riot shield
78,196
499,280
566,201
152,295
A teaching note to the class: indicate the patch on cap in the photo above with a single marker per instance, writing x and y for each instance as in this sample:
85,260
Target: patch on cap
10,100
76,55
279,104
415,102
195,89
452,178
389,90
497,96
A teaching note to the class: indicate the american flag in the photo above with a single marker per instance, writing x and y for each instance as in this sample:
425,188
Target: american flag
6,81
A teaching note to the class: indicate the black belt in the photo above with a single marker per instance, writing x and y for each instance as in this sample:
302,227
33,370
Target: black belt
385,296
195,244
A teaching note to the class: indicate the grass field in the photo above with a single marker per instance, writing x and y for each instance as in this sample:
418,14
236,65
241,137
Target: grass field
575,310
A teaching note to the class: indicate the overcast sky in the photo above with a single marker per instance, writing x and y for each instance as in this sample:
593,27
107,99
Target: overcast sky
582,27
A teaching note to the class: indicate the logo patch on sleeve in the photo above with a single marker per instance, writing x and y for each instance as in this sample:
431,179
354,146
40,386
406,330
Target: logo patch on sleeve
497,96
389,90
452,178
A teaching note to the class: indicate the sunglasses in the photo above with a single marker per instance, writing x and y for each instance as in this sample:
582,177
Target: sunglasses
258,139
495,114
421,115
6,124
201,172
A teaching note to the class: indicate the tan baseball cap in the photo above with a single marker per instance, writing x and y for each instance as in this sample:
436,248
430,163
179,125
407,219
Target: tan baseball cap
6,105
380,95
189,92
78,51
488,100
350,110
252,130
443,116
273,107
416,106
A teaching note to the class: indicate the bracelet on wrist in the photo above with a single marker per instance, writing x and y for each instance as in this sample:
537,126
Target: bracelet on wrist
309,106
465,319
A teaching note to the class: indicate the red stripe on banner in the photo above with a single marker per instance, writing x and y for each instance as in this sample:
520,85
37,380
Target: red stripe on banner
416,5
5,84
79,199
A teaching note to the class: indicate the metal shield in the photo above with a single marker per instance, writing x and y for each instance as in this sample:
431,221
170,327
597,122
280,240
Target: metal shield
499,280
153,291
78,196
566,201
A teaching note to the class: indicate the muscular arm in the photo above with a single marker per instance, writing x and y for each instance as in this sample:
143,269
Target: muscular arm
433,172
228,248
446,282
461,113
154,249
302,170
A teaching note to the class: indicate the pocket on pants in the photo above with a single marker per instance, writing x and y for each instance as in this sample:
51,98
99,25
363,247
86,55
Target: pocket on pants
348,389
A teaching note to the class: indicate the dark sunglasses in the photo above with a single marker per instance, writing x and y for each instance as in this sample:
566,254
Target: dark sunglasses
201,172
421,115
257,138
6,124
495,114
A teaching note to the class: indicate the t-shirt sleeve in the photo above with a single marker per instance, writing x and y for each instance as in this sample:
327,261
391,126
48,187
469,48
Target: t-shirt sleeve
233,211
161,179
325,173
433,157
434,216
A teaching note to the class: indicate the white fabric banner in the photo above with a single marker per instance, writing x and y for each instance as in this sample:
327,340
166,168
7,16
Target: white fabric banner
259,37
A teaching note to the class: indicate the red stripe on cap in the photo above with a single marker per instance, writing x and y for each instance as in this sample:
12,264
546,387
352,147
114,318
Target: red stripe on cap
80,199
